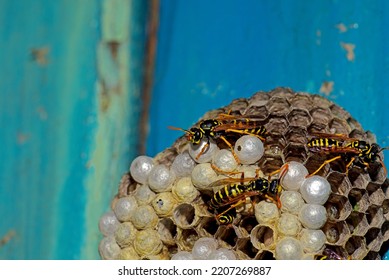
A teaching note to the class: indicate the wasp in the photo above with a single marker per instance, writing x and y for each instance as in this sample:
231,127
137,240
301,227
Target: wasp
350,150
227,216
236,190
329,254
224,127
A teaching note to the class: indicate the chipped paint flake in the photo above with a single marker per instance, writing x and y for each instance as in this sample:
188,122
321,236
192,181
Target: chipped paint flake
42,113
341,27
349,48
318,37
327,87
22,138
39,55
7,238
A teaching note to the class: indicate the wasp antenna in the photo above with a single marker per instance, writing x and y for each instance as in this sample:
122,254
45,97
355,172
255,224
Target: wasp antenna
284,170
177,128
383,166
384,148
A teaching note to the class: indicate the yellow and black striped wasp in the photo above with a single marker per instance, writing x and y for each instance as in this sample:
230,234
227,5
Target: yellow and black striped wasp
350,150
235,191
225,127
329,254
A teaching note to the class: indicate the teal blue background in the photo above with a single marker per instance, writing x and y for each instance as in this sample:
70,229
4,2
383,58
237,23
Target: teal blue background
70,117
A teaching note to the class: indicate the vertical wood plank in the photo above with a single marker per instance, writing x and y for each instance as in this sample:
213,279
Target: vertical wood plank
69,96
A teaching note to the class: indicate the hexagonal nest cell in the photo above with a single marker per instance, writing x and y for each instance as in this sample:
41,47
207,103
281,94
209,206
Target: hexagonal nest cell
185,195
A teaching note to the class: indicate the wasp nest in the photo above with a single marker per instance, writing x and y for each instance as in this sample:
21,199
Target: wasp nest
162,209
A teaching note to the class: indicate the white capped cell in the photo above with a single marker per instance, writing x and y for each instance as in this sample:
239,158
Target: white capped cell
312,240
128,253
203,248
222,254
203,175
163,204
288,224
161,178
108,248
108,223
206,149
294,176
315,190
249,149
289,248
184,190
147,242
125,234
125,207
313,216
144,217
183,165
224,160
182,255
266,212
140,168
143,194
291,201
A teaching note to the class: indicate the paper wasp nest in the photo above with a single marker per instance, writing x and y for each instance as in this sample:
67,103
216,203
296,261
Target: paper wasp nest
162,209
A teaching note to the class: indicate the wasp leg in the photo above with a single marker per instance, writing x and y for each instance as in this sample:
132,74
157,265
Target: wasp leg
226,116
203,150
217,169
231,148
246,133
281,170
348,166
227,218
275,201
229,208
324,163
384,167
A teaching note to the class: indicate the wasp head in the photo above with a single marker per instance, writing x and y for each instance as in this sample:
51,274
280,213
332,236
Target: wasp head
194,135
373,155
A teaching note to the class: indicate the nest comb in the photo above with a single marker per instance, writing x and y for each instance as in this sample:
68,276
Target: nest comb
357,224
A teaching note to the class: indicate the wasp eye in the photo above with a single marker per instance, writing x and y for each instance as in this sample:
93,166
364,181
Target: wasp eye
197,137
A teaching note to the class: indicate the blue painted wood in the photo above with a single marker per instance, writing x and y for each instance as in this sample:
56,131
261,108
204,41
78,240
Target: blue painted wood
67,111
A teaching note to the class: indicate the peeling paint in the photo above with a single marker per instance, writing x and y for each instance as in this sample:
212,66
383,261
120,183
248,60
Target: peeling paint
40,55
22,138
327,87
7,237
318,37
117,116
341,27
349,48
